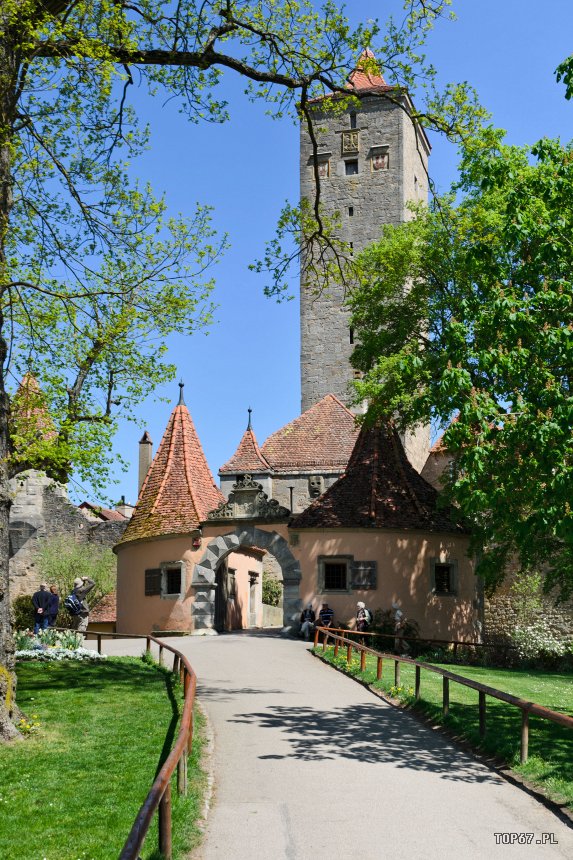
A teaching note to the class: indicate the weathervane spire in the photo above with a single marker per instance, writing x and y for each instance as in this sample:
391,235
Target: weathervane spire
249,410
181,398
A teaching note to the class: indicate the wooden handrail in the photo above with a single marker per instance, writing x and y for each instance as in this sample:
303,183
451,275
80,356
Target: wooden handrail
454,642
526,708
159,795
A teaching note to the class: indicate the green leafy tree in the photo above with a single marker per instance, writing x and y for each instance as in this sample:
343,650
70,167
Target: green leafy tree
93,274
60,560
466,313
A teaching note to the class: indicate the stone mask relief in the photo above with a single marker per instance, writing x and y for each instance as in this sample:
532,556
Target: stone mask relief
315,486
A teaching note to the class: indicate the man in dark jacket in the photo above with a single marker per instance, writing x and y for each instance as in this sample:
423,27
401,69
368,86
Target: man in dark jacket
41,601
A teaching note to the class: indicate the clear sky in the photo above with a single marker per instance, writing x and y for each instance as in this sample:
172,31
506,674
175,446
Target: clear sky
247,168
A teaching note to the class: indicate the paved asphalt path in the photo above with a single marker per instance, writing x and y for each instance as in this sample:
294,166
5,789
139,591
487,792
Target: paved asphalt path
309,764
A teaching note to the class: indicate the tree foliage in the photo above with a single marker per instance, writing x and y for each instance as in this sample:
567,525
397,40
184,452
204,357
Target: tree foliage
60,560
93,273
466,313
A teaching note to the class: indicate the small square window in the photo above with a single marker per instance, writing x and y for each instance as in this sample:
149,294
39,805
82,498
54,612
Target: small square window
353,120
333,573
351,211
444,577
351,168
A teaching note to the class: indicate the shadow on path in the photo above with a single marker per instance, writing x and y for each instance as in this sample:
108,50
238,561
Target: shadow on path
366,733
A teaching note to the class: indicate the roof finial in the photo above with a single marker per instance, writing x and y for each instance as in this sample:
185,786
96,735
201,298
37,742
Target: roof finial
249,410
181,398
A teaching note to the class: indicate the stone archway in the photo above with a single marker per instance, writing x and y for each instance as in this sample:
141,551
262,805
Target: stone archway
218,548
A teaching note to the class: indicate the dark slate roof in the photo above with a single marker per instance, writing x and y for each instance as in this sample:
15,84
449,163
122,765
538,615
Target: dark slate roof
321,438
179,490
380,489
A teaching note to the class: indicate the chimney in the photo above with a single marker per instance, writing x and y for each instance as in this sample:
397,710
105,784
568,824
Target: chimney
124,508
145,458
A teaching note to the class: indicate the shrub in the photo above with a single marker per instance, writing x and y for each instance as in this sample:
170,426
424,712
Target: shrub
272,590
60,560
23,611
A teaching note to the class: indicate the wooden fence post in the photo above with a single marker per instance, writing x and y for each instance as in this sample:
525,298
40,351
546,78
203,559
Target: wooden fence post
446,696
99,643
348,653
362,660
182,774
482,714
336,647
147,644
165,844
161,655
417,689
379,668
524,736
396,673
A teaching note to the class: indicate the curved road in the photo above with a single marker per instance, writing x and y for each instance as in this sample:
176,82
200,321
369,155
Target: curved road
309,764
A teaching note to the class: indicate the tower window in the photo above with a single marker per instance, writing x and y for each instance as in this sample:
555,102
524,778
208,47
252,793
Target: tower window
352,120
351,168
351,211
351,333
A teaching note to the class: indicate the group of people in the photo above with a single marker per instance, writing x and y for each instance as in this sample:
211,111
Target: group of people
46,604
326,618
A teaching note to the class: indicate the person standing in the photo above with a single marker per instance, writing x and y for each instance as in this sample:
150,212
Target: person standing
307,619
53,606
82,587
41,601
362,617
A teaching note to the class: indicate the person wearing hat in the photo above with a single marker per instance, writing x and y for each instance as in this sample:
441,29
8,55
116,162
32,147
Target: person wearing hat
41,601
82,587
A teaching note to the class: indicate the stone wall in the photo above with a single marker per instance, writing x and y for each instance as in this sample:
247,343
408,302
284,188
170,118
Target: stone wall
40,510
500,614
365,200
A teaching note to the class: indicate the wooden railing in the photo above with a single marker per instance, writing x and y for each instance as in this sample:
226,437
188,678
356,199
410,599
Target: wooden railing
526,708
159,796
456,643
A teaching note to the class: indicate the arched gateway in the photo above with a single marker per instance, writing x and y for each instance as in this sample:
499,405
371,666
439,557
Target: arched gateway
204,574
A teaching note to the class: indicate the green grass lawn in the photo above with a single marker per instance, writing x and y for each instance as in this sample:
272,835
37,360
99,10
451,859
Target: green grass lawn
72,789
550,764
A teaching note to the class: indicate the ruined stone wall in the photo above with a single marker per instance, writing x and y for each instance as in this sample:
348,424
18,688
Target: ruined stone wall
40,510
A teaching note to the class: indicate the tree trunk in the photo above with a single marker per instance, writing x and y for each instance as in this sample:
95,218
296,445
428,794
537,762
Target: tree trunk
8,71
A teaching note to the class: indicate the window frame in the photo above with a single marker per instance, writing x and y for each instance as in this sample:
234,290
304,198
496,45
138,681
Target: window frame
349,161
453,565
322,561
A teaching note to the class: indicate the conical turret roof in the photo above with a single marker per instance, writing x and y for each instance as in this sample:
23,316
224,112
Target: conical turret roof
380,489
179,490
30,416
247,458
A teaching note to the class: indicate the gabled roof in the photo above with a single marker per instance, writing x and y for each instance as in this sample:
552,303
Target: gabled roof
100,513
321,438
362,80
379,490
179,490
247,458
105,611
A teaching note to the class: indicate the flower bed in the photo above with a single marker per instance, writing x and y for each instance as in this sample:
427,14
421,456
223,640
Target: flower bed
51,645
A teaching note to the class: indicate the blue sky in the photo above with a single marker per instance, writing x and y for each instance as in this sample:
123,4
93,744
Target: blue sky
247,168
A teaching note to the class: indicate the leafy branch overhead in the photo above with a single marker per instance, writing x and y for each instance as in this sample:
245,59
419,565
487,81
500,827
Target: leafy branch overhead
465,313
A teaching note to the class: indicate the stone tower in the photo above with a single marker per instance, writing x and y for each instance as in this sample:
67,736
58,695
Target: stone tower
371,161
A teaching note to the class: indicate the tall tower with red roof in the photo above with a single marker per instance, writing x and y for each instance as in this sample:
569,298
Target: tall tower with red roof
372,161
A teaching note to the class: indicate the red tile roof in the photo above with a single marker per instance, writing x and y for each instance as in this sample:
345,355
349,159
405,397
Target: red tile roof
179,490
247,458
380,489
361,80
105,611
321,438
102,513
30,412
